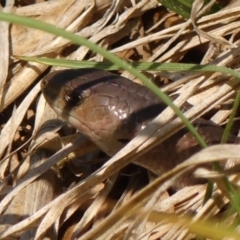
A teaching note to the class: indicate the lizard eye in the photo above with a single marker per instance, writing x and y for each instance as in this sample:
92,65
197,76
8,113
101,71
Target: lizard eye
73,98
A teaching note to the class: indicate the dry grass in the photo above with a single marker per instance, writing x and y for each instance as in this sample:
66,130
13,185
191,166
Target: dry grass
71,199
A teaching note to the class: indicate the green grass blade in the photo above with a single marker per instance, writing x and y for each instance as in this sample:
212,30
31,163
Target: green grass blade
184,7
140,66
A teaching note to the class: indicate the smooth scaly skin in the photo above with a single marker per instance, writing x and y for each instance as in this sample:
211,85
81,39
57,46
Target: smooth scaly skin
110,110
